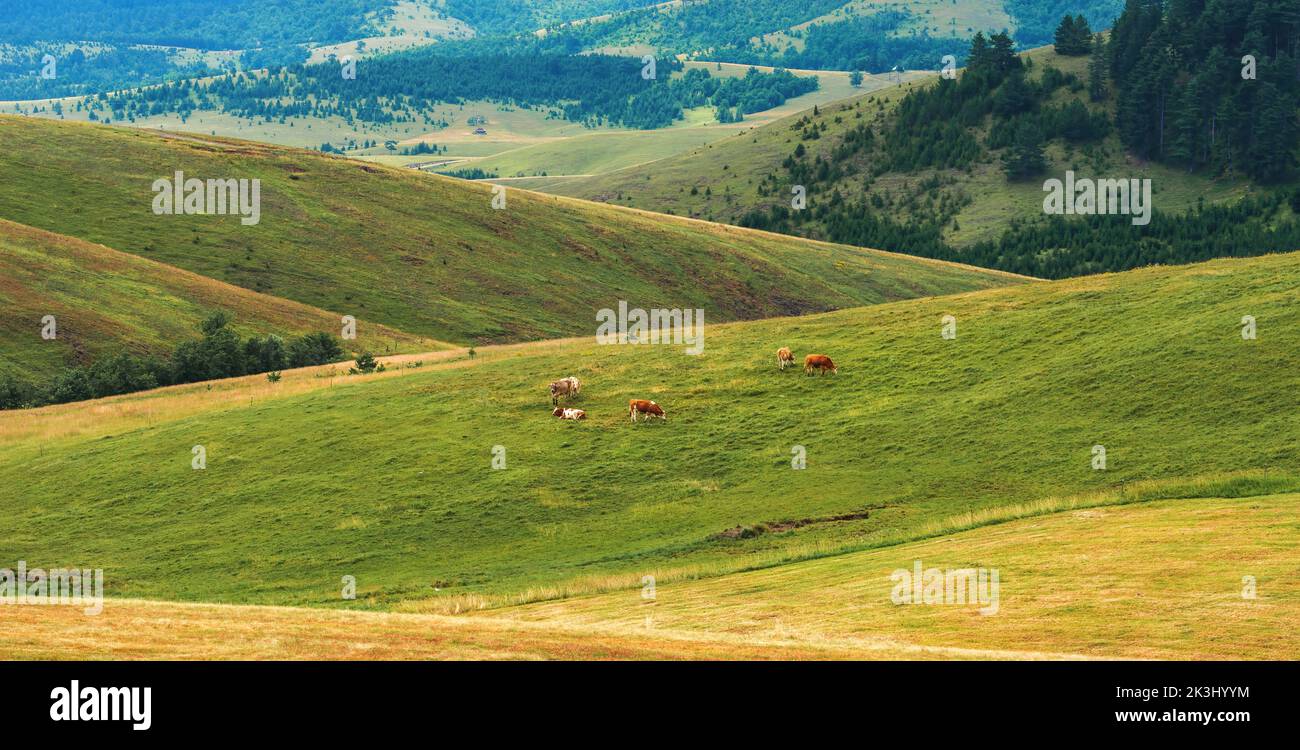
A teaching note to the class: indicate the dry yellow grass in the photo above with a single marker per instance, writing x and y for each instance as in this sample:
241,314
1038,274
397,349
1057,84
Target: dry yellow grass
143,630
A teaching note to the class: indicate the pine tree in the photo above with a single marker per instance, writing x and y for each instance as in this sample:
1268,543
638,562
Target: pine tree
1073,36
1065,36
1025,159
1097,70
979,58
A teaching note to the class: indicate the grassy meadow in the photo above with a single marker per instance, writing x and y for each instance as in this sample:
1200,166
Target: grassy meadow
389,478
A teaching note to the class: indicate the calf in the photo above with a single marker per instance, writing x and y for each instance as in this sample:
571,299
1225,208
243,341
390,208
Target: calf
567,387
784,357
649,408
819,362
574,414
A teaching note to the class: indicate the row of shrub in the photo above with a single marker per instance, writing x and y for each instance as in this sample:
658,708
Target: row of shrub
220,353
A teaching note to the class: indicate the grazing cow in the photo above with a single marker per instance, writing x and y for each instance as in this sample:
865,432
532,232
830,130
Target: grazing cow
574,414
819,362
648,408
567,387
784,357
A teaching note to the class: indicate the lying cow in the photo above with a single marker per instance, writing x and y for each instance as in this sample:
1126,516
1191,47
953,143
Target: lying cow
784,357
574,414
819,362
649,408
567,387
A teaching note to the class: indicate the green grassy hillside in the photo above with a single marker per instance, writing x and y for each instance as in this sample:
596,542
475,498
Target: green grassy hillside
1149,581
106,301
389,478
429,254
733,168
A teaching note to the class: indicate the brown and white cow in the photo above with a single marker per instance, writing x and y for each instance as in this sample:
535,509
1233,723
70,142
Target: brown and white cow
649,408
819,362
567,387
564,413
784,357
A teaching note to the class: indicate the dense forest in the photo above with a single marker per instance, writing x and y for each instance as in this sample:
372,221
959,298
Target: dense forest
94,69
1037,20
592,89
273,34
1209,84
201,24
129,43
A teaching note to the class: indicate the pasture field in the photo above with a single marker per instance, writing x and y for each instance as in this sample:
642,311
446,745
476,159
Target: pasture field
508,127
106,301
389,477
427,254
1157,580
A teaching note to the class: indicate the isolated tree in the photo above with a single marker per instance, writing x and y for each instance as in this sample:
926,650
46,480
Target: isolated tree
855,78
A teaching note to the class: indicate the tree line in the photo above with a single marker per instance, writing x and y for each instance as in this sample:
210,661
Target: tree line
861,43
404,87
219,353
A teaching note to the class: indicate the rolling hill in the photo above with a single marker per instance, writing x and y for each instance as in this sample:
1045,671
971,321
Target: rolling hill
1160,580
916,437
426,254
105,301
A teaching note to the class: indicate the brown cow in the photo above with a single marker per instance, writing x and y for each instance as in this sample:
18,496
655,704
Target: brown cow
567,387
564,413
819,362
649,408
784,357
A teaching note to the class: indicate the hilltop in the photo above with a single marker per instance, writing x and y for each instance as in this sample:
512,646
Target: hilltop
426,254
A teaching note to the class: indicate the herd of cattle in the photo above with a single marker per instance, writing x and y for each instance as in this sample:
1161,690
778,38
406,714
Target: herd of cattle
570,387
